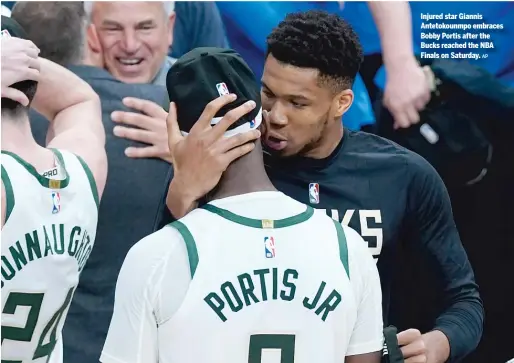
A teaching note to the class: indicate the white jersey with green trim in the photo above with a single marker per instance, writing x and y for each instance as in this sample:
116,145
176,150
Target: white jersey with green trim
252,278
49,231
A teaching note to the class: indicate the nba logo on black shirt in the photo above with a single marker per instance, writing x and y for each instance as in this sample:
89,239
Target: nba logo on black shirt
222,89
314,193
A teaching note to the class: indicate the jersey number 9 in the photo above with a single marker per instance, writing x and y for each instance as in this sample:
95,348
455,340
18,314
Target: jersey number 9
284,342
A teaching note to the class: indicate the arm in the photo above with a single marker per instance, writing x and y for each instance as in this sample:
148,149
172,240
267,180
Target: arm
132,333
74,111
458,329
151,287
407,90
394,24
179,200
367,338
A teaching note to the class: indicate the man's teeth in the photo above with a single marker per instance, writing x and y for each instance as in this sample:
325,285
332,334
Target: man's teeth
129,62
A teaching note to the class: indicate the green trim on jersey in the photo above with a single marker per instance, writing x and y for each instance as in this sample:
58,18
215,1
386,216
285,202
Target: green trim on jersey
192,252
44,181
343,246
9,194
92,182
260,223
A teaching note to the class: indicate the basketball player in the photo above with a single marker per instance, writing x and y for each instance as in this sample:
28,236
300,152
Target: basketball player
391,196
50,202
252,276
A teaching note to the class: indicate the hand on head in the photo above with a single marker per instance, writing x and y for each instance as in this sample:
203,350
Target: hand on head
200,158
19,63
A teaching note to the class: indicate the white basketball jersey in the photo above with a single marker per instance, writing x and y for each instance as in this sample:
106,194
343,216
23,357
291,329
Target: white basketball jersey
270,291
48,235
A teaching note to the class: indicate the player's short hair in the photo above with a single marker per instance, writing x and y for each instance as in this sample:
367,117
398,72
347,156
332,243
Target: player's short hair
12,107
319,40
169,8
57,28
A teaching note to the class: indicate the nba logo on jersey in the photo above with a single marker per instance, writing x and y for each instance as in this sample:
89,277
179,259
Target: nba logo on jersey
314,193
222,89
56,202
269,247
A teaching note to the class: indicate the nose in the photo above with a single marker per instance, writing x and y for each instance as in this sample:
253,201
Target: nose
277,115
130,41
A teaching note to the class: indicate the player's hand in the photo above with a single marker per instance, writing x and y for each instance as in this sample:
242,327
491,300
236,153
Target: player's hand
412,346
406,93
19,63
148,126
200,158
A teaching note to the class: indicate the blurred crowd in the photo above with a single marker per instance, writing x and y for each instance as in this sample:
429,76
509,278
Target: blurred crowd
125,49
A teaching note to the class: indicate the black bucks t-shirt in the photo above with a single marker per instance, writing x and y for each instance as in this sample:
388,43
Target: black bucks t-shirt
397,202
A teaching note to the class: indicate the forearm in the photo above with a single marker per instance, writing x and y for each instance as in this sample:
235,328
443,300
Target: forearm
68,102
394,24
178,201
59,89
462,324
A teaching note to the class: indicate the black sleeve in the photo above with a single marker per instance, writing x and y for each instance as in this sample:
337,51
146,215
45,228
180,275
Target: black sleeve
430,213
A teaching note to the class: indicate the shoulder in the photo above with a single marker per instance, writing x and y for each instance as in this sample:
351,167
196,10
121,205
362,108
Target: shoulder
376,150
366,142
89,73
153,250
356,244
170,60
111,89
360,260
114,93
151,92
195,11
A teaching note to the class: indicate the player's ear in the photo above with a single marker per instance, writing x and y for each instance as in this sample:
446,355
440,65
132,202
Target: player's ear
341,103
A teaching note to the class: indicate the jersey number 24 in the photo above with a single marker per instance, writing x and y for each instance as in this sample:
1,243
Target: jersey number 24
25,334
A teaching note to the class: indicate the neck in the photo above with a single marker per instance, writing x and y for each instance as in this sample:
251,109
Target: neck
17,135
328,142
245,175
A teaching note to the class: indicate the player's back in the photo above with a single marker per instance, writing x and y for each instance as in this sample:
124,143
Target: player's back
232,287
49,232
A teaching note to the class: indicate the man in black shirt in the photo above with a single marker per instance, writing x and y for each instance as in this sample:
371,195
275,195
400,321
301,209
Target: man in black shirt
390,195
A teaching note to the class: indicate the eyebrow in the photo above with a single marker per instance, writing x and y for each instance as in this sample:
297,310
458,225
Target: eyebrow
110,23
291,96
145,22
114,23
